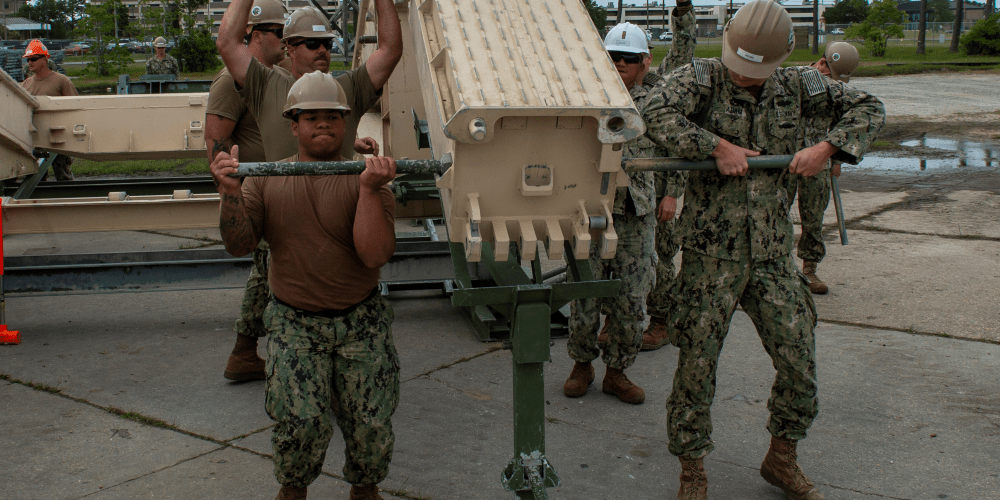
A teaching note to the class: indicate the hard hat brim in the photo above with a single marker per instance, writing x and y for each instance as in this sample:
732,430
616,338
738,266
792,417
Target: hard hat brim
625,48
317,35
303,106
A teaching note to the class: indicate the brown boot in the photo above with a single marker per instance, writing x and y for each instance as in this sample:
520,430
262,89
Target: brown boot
244,363
655,335
615,382
694,482
781,470
369,492
816,285
602,338
289,493
581,377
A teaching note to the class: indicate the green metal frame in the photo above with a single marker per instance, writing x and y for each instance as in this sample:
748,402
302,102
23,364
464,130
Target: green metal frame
527,303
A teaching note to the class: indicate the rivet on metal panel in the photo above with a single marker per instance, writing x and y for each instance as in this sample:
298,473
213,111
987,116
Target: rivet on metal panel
477,127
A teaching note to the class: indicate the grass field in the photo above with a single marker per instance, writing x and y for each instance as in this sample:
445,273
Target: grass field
147,168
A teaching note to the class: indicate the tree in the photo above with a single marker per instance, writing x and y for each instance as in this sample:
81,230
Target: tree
884,21
101,22
196,52
940,11
984,37
956,32
54,12
597,14
847,12
922,28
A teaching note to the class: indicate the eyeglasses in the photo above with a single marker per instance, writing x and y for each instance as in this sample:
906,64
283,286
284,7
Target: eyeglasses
315,43
34,58
277,31
629,58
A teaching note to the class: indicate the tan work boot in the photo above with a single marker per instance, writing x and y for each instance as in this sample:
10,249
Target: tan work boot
289,493
369,492
816,285
244,363
615,382
694,482
781,470
581,377
655,335
602,338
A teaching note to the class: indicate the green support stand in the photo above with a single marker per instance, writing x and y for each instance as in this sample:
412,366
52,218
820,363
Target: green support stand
527,303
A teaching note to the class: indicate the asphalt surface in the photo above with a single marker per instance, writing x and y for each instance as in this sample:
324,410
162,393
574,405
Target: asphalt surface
121,395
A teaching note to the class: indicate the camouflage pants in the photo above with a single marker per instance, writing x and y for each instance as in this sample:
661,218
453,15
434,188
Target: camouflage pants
814,196
256,296
631,265
61,168
775,296
667,245
346,365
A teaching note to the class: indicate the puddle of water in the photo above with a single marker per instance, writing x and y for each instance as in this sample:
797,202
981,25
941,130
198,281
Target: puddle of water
969,154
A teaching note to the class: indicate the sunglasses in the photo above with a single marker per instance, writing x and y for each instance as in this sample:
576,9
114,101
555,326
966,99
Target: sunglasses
315,43
625,56
277,31
34,58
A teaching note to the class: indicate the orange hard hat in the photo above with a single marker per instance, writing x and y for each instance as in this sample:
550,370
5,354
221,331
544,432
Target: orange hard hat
35,48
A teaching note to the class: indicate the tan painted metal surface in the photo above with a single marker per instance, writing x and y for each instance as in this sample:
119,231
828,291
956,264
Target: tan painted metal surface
125,127
116,212
16,106
524,98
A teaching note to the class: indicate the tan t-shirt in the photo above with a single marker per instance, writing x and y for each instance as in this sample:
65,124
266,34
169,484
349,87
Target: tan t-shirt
55,84
266,90
224,101
309,223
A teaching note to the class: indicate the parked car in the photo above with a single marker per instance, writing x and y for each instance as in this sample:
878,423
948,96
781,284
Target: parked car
837,31
666,36
77,49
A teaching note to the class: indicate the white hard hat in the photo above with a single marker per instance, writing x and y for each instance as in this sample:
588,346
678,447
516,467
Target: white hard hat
626,37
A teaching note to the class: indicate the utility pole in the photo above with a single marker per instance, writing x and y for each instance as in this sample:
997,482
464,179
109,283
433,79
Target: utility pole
620,11
956,31
922,29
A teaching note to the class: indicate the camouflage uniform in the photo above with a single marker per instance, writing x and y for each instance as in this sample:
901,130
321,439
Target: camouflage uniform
670,183
166,66
255,297
814,192
634,220
737,236
343,364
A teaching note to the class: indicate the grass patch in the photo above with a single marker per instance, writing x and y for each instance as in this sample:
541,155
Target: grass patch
142,419
186,166
38,387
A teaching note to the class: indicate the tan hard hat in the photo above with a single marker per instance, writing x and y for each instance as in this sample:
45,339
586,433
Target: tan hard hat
757,39
842,58
307,22
316,90
159,42
267,12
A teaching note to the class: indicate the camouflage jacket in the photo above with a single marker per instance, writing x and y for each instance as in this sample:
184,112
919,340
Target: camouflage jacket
640,187
664,183
682,46
729,217
168,66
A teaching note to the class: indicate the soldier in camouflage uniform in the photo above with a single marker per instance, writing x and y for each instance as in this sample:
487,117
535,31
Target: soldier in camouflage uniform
736,233
633,221
330,347
838,62
669,186
162,63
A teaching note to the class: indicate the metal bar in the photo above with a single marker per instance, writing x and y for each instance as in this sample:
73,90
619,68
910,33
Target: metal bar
334,168
667,164
89,188
29,184
837,204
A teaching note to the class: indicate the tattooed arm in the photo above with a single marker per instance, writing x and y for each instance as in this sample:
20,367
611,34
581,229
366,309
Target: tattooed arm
218,134
240,232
